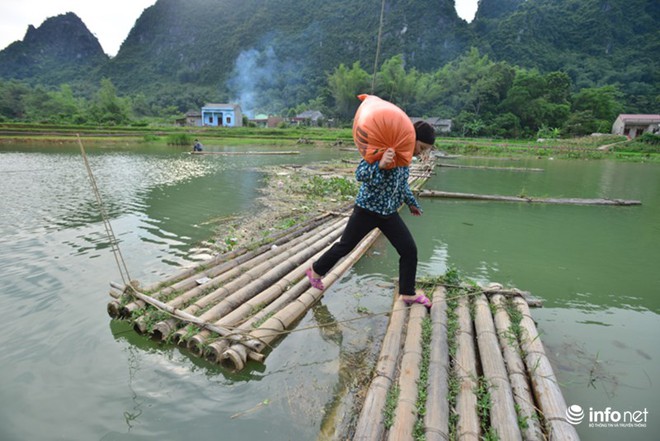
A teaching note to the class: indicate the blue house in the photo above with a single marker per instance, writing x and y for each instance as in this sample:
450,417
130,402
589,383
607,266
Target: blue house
222,115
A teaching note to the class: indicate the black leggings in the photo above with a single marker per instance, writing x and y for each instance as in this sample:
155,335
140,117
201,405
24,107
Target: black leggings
359,225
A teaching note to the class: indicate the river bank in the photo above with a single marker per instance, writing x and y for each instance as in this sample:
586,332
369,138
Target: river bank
598,146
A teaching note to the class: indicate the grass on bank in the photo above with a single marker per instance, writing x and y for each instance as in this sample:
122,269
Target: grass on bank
643,148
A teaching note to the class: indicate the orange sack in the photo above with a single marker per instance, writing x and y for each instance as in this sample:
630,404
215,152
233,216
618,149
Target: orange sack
379,125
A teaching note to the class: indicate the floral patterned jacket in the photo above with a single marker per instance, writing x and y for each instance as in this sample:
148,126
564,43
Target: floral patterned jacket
383,191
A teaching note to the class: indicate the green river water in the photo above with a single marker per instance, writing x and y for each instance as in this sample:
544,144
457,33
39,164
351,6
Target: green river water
71,373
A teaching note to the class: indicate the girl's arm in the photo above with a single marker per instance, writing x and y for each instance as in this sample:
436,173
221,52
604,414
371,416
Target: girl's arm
409,198
370,173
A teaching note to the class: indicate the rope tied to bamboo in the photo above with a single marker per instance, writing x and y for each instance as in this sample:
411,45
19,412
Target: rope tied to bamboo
114,243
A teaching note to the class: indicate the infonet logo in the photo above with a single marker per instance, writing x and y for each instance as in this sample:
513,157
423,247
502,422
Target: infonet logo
607,417
574,414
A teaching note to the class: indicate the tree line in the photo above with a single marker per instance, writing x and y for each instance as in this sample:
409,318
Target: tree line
480,96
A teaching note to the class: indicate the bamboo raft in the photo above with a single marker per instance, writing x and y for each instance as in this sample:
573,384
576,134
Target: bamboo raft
490,197
476,377
229,309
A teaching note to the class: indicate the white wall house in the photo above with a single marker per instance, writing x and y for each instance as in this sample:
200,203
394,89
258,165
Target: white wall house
222,115
635,125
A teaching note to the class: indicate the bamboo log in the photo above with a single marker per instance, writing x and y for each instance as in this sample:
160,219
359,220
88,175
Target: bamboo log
297,256
274,326
405,414
483,167
163,329
283,152
503,416
544,383
269,296
436,420
267,274
215,349
466,371
370,425
229,260
522,393
489,197
532,301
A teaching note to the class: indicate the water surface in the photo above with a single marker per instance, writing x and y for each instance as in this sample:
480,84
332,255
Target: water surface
71,373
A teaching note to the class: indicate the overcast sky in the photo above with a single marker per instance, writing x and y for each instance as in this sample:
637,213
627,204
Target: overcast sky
110,21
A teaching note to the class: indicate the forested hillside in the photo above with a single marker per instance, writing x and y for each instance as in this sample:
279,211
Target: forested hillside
575,60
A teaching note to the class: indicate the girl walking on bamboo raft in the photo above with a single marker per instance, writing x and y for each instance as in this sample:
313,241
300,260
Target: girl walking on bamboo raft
384,188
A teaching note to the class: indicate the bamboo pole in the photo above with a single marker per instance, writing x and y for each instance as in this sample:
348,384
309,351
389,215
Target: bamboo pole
261,277
466,371
218,265
544,383
283,152
405,414
215,349
274,326
163,329
522,393
297,256
489,197
532,301
371,425
483,167
436,420
503,416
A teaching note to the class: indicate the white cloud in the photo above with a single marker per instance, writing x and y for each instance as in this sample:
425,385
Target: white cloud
466,9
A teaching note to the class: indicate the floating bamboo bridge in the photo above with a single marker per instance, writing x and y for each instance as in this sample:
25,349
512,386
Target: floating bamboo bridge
476,354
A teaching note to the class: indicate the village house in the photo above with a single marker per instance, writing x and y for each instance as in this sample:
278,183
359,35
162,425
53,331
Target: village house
191,118
633,126
308,118
222,115
263,120
440,125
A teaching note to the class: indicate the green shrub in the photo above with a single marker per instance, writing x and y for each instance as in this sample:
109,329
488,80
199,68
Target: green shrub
179,139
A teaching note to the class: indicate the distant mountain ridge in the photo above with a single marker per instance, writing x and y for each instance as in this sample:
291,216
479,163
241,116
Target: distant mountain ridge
61,50
195,50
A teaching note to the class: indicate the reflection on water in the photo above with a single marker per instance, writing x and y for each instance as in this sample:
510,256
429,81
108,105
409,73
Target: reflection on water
595,268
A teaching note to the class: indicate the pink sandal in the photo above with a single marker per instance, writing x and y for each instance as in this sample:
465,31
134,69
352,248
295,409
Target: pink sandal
316,282
420,298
